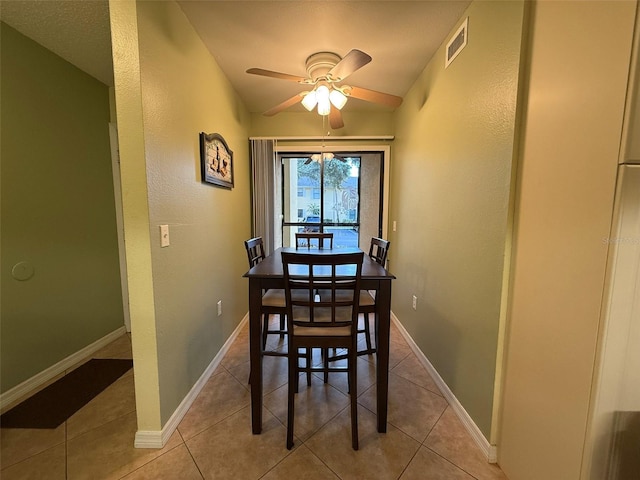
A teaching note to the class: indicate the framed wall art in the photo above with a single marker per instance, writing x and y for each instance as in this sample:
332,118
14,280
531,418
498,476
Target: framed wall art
216,160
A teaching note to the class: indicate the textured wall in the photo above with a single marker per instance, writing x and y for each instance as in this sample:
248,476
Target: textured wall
184,92
450,192
58,212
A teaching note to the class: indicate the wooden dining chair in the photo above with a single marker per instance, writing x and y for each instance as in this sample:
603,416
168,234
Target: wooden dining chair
378,251
327,320
273,301
304,239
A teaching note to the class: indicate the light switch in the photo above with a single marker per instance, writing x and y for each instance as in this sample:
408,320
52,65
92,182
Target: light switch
394,225
164,235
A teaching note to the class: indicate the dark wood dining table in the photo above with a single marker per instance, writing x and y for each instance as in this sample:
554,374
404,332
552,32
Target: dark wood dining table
269,274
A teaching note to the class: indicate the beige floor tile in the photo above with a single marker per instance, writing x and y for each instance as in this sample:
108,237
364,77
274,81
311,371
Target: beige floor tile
274,342
314,406
301,464
219,442
395,336
381,455
239,371
411,369
229,449
107,452
397,353
115,401
221,396
411,408
173,465
366,377
16,444
238,352
428,465
450,439
275,372
49,464
119,348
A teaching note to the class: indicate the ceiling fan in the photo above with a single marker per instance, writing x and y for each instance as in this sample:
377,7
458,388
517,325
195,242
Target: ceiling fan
325,72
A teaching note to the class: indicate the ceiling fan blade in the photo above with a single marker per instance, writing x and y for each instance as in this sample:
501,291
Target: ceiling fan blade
351,62
281,76
286,104
335,118
372,96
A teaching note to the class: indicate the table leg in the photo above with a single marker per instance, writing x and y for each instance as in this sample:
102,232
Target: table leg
383,304
255,356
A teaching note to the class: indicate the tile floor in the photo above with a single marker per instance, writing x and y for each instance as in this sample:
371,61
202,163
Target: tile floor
424,439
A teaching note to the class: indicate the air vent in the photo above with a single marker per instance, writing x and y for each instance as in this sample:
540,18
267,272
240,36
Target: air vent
457,43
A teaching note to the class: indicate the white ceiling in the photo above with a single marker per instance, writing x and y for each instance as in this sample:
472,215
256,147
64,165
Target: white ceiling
77,31
401,36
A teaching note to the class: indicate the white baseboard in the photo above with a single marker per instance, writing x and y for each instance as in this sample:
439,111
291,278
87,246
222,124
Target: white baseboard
487,449
22,390
159,438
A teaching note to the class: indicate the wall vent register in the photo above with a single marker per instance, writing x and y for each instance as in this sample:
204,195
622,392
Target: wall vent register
457,43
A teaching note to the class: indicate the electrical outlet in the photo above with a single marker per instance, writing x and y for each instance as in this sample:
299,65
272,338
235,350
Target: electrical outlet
414,303
219,307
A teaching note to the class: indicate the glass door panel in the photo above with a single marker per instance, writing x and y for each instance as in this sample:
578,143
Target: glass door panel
341,200
340,194
321,195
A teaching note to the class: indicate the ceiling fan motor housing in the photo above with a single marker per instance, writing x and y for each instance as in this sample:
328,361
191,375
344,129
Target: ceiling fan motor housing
319,64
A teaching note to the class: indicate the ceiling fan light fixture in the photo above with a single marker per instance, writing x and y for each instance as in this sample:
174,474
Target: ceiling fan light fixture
338,99
310,100
325,156
325,70
324,104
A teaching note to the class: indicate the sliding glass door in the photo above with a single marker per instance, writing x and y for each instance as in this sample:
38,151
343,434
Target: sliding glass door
333,192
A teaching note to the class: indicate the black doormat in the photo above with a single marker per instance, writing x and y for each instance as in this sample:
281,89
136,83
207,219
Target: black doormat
53,405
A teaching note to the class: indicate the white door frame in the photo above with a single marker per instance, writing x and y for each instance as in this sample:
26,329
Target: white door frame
117,192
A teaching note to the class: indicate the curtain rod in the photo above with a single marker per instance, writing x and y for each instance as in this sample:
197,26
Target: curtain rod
318,137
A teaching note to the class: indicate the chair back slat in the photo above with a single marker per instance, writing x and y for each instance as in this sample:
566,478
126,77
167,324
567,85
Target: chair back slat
322,290
255,251
379,250
304,239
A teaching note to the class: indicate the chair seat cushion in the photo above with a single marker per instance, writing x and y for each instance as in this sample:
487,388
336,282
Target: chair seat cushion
274,298
299,330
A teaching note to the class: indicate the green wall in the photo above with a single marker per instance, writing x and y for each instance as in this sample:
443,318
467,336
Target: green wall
184,92
58,210
450,195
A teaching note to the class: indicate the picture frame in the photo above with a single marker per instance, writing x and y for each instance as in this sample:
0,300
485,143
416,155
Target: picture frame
216,160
